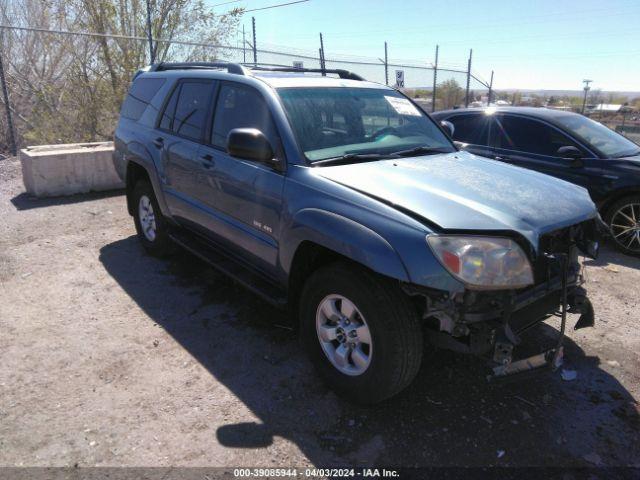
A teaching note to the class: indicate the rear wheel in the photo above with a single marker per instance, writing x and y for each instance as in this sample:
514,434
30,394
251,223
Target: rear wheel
623,217
361,332
151,226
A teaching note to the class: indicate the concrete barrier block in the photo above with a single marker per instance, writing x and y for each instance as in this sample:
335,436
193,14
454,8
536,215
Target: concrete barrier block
51,170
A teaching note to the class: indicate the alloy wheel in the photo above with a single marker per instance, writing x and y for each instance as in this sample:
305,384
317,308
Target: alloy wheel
147,218
625,226
344,335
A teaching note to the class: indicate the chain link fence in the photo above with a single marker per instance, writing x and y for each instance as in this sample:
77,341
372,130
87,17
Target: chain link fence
65,86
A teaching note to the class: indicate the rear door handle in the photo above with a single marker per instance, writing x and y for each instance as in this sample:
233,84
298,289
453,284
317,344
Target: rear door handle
207,160
159,142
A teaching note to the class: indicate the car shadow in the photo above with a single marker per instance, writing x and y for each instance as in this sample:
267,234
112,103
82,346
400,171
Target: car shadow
610,256
25,201
451,415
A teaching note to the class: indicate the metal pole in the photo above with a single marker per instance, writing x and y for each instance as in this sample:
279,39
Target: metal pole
255,50
435,81
152,56
244,46
7,105
586,90
490,90
466,97
386,65
323,66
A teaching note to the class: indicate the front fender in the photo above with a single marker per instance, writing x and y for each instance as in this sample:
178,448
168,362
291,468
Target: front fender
344,236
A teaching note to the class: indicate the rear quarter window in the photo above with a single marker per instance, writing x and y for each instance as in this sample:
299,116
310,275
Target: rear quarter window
139,96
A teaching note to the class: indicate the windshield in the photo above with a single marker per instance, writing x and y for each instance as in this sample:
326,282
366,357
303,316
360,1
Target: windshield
334,122
608,142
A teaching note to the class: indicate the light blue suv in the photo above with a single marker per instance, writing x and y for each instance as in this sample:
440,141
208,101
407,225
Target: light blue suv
341,200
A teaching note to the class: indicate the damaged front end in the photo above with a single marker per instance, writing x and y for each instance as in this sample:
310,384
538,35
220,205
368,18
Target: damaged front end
489,322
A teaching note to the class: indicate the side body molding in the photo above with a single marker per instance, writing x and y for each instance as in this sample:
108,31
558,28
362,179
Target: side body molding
344,236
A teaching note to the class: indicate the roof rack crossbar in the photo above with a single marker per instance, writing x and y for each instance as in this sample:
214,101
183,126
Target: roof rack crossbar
229,66
345,74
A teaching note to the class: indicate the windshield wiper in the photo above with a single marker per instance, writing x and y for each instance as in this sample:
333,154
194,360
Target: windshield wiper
422,150
353,158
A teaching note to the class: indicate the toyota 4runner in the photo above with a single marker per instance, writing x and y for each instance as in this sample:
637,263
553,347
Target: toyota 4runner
341,200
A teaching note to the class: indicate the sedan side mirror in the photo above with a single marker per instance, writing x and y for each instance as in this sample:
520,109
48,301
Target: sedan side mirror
448,127
249,144
571,153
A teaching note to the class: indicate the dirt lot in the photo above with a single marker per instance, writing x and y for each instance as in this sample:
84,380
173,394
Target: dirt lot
110,357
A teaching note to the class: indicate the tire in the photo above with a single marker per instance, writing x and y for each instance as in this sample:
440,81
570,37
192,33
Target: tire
158,243
395,349
623,218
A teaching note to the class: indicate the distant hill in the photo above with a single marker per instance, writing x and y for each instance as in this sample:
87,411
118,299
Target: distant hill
571,93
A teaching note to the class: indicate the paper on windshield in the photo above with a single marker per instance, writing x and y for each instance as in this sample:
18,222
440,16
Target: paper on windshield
403,106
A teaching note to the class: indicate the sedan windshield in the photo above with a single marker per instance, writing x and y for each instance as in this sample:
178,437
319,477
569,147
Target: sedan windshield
609,143
365,123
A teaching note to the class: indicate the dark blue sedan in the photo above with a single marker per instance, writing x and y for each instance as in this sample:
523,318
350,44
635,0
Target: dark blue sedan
566,145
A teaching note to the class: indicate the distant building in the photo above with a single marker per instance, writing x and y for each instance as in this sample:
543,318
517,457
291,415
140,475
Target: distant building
612,108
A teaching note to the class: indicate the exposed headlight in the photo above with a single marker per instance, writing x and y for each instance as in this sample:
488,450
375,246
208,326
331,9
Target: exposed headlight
483,263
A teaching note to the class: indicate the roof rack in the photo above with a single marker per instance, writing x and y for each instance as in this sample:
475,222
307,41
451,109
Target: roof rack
229,66
241,69
345,74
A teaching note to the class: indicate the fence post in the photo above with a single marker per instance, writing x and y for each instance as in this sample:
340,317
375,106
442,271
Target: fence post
490,90
255,50
5,96
152,58
466,97
435,81
322,60
244,46
386,65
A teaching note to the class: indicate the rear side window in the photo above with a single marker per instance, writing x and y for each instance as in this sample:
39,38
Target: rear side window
240,107
139,96
191,109
473,129
185,113
530,136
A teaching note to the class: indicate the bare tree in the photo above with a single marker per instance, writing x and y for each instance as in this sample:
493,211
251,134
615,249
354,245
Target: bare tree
70,88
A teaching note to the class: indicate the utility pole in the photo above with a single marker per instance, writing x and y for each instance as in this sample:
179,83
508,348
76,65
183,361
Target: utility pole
244,46
152,57
386,65
490,90
435,81
5,97
255,50
586,90
323,66
466,97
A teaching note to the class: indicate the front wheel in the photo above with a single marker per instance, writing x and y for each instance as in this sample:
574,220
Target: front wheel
623,218
361,332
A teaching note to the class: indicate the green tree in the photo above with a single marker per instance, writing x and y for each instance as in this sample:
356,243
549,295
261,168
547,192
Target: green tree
449,93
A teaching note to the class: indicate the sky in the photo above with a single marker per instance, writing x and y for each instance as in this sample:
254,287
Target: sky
534,44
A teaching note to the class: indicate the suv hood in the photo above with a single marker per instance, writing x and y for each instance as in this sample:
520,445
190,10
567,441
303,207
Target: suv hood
463,192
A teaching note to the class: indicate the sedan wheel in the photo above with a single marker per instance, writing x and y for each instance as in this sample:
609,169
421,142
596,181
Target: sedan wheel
625,226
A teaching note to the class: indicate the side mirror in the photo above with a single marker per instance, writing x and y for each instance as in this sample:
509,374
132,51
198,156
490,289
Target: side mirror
571,153
249,144
448,127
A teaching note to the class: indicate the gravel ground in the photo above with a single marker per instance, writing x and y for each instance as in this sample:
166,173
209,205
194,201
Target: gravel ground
109,357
